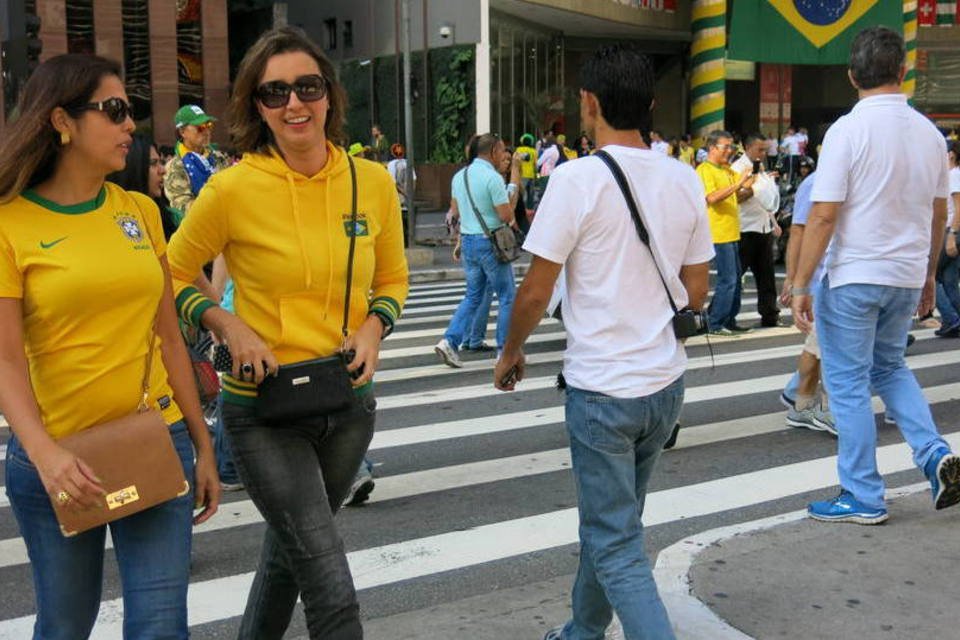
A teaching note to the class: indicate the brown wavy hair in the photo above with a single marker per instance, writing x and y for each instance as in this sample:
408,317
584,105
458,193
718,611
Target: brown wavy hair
248,131
30,146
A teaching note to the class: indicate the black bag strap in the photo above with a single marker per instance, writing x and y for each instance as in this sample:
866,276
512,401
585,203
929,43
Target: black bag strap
621,181
353,244
473,205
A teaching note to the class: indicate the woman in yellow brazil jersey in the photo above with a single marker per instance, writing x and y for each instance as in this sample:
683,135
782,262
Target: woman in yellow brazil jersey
83,274
296,221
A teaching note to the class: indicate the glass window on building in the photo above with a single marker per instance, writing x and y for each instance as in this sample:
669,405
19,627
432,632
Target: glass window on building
527,93
80,26
136,59
190,51
938,83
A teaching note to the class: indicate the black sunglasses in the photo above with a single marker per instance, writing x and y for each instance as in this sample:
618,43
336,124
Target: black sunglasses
276,94
116,109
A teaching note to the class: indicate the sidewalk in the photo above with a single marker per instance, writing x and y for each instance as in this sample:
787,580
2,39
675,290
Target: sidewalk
792,577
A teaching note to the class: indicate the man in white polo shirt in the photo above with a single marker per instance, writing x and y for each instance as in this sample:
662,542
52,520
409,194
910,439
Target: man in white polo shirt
880,203
623,364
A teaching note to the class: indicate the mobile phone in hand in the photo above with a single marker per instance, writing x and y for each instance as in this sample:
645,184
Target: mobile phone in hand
510,378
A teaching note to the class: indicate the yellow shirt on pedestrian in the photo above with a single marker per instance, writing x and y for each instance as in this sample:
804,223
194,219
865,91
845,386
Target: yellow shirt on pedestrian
90,281
528,167
724,215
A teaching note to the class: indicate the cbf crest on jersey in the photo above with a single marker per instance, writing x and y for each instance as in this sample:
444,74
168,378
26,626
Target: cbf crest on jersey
132,229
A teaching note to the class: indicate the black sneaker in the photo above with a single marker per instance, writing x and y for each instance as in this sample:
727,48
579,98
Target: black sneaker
483,347
736,328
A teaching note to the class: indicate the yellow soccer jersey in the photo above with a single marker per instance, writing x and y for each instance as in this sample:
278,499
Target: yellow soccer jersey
90,282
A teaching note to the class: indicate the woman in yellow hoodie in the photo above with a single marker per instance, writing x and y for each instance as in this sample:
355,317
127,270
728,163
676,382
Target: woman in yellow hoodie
282,220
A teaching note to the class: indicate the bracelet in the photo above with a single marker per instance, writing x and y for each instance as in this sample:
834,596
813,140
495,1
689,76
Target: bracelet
385,321
800,291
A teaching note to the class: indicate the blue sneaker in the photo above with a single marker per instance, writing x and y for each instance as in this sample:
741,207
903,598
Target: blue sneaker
943,471
846,508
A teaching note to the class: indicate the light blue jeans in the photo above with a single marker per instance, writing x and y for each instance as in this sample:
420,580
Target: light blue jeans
614,444
480,266
862,330
478,329
152,549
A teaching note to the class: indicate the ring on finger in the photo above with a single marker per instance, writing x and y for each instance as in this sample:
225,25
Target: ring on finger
246,369
63,497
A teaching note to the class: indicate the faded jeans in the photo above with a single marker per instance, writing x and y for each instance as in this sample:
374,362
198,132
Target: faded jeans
297,474
614,444
862,330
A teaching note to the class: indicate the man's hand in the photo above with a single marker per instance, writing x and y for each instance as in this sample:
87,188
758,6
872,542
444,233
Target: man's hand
746,178
777,229
802,307
785,295
509,370
928,297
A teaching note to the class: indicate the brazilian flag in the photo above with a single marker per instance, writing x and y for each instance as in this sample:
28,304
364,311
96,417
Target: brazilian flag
805,31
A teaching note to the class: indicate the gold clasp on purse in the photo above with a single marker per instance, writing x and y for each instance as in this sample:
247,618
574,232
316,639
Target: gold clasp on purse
124,496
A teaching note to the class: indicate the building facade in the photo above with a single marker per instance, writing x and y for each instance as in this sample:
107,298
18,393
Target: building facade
174,52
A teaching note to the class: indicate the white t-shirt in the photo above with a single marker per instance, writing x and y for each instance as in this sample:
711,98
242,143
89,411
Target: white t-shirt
756,214
548,160
792,145
618,319
954,188
772,147
661,146
885,163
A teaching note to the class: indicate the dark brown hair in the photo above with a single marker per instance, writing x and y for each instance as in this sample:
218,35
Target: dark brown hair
247,129
30,145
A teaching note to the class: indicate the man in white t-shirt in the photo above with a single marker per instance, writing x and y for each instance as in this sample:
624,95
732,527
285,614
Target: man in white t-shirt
622,367
773,150
880,203
658,144
791,147
758,227
948,267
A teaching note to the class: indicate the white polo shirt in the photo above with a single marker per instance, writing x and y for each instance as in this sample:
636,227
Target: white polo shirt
616,313
792,145
954,188
756,213
885,163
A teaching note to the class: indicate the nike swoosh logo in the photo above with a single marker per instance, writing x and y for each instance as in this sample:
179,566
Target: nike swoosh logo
47,245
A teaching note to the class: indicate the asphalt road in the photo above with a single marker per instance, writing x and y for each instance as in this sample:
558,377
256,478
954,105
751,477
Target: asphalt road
472,526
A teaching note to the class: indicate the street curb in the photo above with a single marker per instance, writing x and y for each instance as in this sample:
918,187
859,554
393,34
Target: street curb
452,273
690,617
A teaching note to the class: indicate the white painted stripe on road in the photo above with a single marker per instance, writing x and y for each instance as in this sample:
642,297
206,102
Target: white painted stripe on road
708,392
223,598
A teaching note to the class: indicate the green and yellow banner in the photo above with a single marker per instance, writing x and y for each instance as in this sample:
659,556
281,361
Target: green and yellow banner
805,31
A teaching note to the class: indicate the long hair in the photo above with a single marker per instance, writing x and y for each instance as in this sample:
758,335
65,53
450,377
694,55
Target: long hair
136,177
247,129
30,146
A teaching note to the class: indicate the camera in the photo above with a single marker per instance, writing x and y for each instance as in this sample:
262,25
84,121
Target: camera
446,31
688,323
525,157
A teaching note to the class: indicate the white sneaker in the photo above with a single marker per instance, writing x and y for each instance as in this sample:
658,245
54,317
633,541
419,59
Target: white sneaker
448,354
811,418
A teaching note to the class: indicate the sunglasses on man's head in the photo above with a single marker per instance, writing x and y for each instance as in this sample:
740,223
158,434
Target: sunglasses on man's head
116,109
276,93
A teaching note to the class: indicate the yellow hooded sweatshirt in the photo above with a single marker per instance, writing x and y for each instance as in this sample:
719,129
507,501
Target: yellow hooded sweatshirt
285,237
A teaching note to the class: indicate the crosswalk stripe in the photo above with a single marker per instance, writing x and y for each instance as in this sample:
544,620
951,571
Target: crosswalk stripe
221,598
722,390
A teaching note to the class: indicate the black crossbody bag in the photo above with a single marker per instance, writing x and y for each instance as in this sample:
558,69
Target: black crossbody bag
686,322
323,385
507,242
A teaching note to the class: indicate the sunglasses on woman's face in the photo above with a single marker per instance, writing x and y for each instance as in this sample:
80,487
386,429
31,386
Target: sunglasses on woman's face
117,109
276,93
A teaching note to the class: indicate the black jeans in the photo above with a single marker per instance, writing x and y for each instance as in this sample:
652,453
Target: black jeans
756,254
297,475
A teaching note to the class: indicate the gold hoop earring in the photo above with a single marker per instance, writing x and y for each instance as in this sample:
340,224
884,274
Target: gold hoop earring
64,138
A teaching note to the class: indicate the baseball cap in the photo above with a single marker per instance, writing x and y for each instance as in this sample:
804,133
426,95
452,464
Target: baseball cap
355,149
191,114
